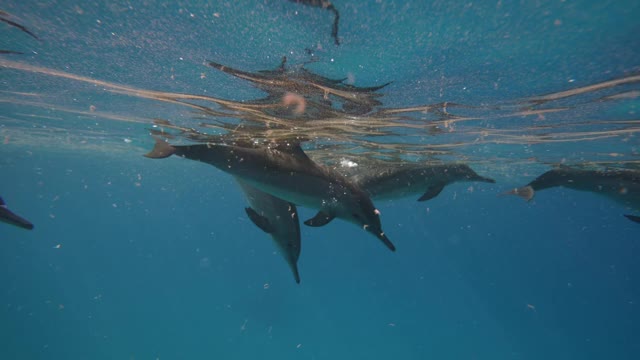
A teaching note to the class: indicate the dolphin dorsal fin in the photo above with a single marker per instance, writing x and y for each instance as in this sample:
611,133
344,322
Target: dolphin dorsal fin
633,218
290,147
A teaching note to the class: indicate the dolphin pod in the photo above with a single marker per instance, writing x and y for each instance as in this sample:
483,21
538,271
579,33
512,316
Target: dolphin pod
286,172
619,185
275,179
9,217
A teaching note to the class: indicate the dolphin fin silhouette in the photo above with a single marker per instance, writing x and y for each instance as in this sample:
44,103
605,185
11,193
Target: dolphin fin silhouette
260,221
633,218
525,192
161,150
320,219
9,217
432,192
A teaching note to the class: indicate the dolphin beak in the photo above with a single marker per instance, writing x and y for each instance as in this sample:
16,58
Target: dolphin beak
386,241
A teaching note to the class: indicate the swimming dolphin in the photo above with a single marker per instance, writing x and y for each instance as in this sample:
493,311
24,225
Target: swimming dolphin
10,218
286,172
620,185
277,218
385,182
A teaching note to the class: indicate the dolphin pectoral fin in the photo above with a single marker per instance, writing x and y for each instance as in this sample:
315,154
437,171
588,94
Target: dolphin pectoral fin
431,192
633,218
260,221
320,219
386,241
161,150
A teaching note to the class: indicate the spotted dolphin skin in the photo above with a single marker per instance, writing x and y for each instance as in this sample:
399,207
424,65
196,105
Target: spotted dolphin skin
10,218
277,218
620,185
286,172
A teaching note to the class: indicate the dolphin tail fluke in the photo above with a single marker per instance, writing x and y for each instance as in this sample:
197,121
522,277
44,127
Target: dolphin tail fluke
161,150
525,192
386,241
633,218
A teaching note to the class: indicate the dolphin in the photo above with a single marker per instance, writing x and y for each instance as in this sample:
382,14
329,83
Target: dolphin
277,218
10,218
386,182
283,170
620,185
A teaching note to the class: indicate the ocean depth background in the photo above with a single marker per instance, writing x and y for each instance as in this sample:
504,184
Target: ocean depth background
133,258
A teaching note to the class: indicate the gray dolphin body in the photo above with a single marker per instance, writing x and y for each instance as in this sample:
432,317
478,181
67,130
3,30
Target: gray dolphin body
277,218
9,217
286,172
622,186
392,182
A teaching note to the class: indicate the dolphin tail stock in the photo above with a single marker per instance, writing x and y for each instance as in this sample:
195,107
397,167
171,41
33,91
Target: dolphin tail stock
161,150
633,218
525,192
10,218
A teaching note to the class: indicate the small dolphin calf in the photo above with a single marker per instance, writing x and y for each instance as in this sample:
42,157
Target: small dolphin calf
286,172
277,218
10,218
620,185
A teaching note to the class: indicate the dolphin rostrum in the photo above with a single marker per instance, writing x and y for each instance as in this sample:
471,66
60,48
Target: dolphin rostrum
620,185
277,218
10,218
286,172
